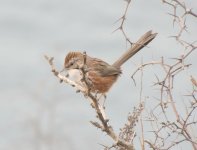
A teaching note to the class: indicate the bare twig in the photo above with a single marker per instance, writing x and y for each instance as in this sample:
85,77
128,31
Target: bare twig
122,20
103,125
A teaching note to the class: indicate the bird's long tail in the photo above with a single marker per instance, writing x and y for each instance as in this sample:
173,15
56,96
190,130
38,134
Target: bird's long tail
143,41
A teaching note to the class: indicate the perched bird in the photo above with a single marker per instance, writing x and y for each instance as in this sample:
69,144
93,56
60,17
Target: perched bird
101,74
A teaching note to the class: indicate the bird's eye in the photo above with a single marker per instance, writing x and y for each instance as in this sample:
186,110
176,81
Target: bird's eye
71,63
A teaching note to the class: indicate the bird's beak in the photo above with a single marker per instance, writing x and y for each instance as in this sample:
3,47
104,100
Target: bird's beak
65,70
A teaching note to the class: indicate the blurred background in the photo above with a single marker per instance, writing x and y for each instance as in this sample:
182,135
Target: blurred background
39,113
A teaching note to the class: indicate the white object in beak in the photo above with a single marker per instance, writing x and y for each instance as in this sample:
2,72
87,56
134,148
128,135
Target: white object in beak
75,75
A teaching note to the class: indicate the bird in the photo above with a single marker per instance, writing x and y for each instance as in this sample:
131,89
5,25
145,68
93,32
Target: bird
100,74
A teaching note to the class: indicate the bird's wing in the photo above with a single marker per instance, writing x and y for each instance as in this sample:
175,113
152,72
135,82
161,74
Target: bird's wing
104,69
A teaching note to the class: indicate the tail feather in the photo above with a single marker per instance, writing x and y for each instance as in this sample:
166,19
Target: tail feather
143,41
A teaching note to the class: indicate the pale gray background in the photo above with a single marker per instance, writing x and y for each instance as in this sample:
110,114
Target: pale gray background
38,113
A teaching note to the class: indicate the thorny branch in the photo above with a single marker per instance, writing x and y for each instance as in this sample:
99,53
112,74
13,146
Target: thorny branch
104,123
167,132
180,19
122,22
